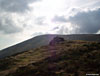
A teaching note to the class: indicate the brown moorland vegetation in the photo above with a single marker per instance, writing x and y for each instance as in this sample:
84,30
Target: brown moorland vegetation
63,58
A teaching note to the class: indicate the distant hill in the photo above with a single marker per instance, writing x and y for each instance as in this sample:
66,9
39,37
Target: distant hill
44,40
59,57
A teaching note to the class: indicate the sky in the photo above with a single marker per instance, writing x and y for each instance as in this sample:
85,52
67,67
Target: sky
23,19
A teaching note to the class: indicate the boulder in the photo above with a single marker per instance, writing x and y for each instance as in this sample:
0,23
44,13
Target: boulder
56,40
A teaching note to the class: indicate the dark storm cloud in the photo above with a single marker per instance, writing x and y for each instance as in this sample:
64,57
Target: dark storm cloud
86,22
8,26
15,5
59,19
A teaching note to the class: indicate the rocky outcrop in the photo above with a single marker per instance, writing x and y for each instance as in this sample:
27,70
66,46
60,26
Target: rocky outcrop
56,40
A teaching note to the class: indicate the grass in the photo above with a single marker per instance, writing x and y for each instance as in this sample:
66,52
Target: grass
67,58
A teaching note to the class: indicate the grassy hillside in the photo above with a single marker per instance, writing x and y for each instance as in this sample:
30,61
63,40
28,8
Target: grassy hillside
42,40
64,58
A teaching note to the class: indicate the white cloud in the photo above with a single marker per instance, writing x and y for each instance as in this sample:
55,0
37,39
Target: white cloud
8,25
83,21
23,18
59,19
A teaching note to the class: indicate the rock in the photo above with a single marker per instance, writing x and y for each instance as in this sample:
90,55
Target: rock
56,40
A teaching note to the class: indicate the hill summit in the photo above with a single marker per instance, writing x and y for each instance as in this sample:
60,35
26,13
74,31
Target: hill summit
43,40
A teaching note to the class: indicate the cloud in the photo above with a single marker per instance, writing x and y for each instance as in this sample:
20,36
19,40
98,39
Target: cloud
8,26
62,30
15,5
55,28
21,18
59,19
86,22
11,21
40,21
37,34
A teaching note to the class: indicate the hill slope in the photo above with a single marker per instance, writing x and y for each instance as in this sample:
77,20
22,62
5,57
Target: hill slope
63,58
44,40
